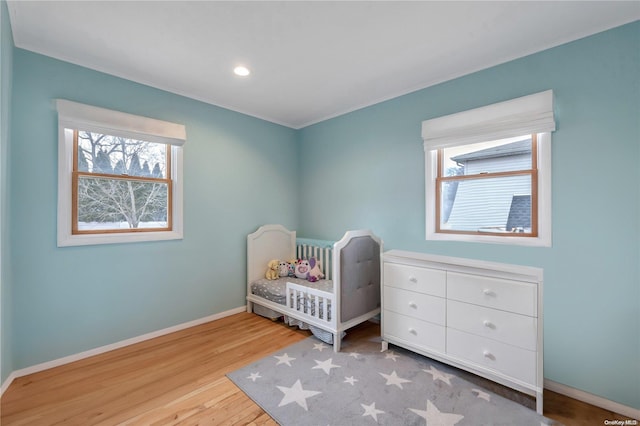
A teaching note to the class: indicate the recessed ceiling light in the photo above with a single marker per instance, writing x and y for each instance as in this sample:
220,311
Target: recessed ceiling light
241,71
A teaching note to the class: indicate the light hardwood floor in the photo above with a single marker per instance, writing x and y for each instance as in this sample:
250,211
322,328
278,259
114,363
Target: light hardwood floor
179,379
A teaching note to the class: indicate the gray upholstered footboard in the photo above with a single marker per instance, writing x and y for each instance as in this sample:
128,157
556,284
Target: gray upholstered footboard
359,277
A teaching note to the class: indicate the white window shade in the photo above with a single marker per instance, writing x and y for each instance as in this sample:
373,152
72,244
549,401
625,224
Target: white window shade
516,117
74,115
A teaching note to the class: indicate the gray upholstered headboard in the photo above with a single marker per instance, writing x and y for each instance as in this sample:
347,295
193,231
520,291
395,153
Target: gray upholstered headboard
360,275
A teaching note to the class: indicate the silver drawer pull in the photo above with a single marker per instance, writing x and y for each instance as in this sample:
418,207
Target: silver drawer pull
413,331
488,292
488,355
488,324
413,305
413,279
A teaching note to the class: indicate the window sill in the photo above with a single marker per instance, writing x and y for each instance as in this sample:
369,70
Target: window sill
491,239
95,239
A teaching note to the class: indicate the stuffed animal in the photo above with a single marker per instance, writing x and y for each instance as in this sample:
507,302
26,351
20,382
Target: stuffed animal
292,267
302,269
315,273
272,271
283,268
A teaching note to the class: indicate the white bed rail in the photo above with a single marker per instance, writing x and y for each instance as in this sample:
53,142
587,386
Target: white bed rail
310,305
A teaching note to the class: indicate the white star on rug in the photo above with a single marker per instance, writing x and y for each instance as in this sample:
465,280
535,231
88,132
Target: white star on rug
254,376
393,379
433,416
439,375
370,410
354,355
296,394
481,394
320,346
351,380
284,359
391,355
326,366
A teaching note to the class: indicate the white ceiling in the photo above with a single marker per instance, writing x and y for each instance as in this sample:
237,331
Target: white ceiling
309,60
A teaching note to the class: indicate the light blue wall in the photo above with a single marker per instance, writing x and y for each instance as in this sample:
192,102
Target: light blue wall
6,68
374,162
68,300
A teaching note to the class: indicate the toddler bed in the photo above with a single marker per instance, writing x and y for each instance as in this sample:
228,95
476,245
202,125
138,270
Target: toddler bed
348,294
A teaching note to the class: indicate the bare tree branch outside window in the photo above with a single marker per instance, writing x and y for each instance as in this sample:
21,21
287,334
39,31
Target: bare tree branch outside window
121,183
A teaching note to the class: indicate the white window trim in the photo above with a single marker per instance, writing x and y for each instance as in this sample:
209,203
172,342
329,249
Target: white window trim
78,116
517,117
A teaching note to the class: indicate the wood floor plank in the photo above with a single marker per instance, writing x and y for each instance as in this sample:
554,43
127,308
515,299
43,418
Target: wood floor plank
180,379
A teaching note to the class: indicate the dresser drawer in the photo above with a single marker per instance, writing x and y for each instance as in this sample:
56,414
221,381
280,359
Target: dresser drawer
421,280
417,305
513,296
509,360
507,327
415,332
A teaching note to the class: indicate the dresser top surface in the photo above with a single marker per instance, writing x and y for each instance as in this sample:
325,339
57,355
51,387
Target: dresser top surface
449,262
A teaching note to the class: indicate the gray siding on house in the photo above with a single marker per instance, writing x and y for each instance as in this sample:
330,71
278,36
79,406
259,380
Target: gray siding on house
486,203
499,164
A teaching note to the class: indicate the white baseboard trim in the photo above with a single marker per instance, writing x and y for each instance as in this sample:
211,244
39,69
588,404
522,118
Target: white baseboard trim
598,401
102,349
7,382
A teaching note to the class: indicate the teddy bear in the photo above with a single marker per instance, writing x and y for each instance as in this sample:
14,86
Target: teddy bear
315,273
283,268
272,270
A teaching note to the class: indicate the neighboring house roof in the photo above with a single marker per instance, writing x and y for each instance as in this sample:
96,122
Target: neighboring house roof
514,148
520,213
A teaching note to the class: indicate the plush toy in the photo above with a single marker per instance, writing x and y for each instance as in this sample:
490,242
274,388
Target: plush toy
292,267
272,271
315,273
302,268
283,268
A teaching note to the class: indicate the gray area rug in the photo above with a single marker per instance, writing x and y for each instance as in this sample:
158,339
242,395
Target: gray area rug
308,384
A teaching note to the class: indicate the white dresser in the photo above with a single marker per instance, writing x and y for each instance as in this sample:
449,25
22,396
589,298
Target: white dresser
483,317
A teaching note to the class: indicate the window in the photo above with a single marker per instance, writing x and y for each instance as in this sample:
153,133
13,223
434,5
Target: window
487,188
119,177
488,173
